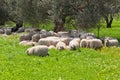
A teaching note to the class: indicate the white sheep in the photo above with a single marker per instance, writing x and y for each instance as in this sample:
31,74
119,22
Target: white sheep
66,40
40,50
63,34
74,44
84,43
49,41
111,42
27,43
51,47
61,45
95,43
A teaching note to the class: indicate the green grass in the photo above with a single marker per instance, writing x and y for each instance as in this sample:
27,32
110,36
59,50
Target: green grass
83,64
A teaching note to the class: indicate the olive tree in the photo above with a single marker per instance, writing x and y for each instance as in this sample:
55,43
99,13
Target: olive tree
35,11
3,12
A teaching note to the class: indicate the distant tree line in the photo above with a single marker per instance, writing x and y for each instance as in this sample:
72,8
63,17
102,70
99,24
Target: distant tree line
86,14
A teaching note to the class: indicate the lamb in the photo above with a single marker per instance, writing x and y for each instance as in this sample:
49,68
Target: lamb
35,37
111,42
74,44
40,50
61,45
27,43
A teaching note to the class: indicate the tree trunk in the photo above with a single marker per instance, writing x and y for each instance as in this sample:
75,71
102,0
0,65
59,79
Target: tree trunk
109,22
59,25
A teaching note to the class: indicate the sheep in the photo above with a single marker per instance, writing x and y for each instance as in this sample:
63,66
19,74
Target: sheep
51,33
21,29
63,34
61,45
1,31
51,47
83,43
49,41
26,37
35,37
40,50
8,31
66,40
111,42
32,30
27,43
95,43
91,43
74,44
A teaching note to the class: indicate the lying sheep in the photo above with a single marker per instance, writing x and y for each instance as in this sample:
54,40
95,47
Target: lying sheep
74,44
61,45
40,50
49,41
66,40
27,43
35,37
51,47
111,42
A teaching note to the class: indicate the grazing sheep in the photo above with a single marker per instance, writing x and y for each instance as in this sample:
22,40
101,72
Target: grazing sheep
91,43
26,37
40,50
74,44
61,45
95,44
83,43
27,43
111,42
35,37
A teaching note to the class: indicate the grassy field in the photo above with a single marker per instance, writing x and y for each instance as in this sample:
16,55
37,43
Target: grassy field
83,64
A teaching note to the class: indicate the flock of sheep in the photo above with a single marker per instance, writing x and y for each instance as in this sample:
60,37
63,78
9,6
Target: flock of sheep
41,41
